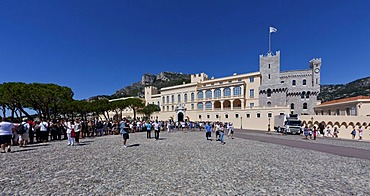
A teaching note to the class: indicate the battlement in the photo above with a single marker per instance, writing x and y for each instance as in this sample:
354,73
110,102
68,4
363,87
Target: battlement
199,77
270,54
315,61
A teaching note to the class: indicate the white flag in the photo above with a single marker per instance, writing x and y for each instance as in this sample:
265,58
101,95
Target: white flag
273,30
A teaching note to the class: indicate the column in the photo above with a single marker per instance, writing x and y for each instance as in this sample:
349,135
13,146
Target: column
231,92
232,104
222,105
213,105
204,106
222,93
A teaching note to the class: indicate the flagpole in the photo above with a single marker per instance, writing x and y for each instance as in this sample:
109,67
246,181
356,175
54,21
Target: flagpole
269,41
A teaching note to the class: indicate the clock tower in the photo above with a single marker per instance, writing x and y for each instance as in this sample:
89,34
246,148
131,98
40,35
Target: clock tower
315,66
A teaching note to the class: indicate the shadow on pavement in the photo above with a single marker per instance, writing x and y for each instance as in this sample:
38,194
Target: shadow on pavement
133,145
36,145
22,150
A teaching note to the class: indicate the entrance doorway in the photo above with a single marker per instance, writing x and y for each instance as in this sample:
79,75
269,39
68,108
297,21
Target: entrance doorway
180,117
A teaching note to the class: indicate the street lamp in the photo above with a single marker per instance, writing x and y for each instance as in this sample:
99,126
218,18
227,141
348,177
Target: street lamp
241,122
312,121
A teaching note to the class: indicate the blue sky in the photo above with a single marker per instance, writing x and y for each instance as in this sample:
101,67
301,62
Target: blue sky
98,47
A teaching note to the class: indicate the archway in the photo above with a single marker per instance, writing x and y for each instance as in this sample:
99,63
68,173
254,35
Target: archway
180,117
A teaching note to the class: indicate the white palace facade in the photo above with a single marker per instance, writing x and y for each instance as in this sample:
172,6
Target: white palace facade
247,100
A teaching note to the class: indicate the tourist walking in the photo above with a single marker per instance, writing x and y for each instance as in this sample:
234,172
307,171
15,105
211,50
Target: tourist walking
208,131
230,128
156,128
217,130
314,133
44,130
124,129
353,133
360,132
70,132
336,131
77,131
306,131
6,128
24,133
328,130
148,130
222,134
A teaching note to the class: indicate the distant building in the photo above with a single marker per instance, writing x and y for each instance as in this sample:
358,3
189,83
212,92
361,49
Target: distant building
255,97
353,106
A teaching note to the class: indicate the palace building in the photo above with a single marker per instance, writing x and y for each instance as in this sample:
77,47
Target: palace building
247,100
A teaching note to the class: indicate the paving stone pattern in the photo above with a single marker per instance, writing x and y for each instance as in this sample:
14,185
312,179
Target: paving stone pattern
179,164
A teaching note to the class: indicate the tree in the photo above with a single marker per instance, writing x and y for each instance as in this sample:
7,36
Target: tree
134,104
149,110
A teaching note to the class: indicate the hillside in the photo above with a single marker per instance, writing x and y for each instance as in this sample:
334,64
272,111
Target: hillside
165,79
338,91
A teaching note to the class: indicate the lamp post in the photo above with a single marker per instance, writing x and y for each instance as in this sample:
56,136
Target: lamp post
311,121
241,122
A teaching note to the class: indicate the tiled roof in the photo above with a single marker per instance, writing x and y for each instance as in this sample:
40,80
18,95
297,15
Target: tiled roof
345,100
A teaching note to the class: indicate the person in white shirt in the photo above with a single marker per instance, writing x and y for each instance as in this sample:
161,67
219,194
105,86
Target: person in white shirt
23,138
44,131
156,130
70,126
231,130
6,129
77,131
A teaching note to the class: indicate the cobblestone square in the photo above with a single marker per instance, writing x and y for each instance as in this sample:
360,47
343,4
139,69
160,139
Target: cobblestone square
180,163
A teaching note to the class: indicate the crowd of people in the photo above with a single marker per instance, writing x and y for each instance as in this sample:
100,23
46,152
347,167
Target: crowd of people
39,131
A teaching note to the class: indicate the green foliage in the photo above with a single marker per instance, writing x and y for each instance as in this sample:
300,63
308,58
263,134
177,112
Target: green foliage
352,89
150,109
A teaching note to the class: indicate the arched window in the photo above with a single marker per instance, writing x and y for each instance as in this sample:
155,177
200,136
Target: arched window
268,92
227,92
178,98
192,96
208,94
308,94
208,105
305,106
293,82
173,98
200,94
200,106
217,93
237,90
185,97
159,104
304,82
168,99
292,106
268,104
163,99
303,94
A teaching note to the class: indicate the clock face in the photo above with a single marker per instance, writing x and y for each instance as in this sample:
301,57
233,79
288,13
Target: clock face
317,70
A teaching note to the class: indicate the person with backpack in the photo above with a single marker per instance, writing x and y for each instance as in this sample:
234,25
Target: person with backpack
124,129
23,132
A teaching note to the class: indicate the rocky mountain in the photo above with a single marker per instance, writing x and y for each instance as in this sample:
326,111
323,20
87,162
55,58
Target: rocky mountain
163,79
338,91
